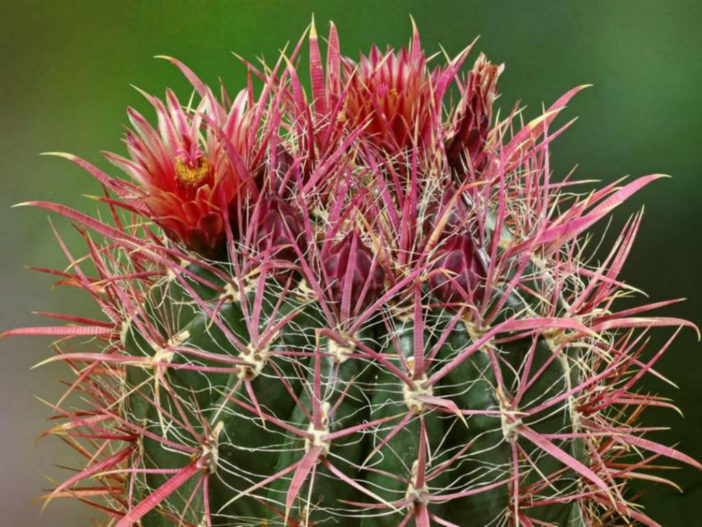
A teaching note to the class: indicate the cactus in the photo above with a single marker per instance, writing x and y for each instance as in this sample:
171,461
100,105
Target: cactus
357,304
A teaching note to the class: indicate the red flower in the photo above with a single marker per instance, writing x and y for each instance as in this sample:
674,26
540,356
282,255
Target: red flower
189,173
391,95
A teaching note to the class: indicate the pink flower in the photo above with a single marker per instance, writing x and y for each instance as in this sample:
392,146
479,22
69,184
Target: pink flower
391,95
190,175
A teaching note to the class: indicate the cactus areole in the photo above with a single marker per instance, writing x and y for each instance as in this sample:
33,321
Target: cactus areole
353,294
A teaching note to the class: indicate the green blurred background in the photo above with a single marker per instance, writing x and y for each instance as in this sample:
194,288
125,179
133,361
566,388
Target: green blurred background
66,67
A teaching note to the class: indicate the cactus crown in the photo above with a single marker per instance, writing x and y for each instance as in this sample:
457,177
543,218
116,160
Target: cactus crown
354,304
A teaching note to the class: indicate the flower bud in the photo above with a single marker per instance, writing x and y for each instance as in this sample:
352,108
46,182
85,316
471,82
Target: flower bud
447,216
278,228
458,273
350,271
472,119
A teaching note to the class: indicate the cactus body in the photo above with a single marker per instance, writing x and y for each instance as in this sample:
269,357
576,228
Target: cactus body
355,305
353,389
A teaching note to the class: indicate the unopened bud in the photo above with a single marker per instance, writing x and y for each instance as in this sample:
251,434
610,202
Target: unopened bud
458,273
350,271
278,229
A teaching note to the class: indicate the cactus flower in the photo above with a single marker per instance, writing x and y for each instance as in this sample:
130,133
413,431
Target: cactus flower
186,174
391,96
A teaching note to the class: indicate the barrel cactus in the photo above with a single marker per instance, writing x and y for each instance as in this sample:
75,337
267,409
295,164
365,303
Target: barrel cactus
361,300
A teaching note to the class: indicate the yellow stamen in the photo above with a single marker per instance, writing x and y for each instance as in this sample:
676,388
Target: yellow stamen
192,176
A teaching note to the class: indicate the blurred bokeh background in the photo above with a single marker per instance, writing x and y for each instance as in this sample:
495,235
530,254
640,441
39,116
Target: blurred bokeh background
65,73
